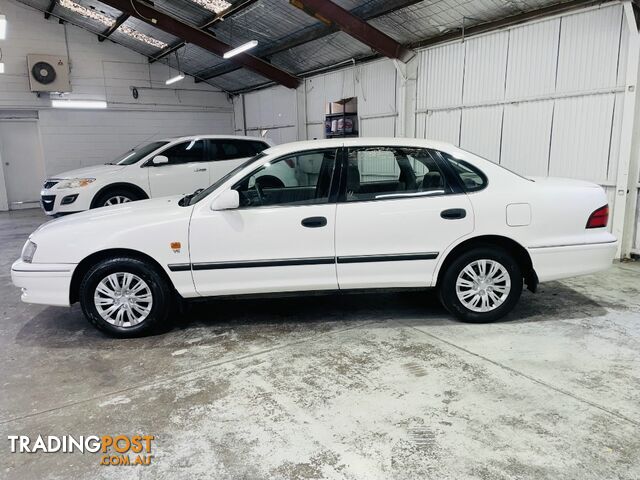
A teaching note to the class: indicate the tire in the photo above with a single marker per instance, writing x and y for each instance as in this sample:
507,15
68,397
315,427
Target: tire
98,294
500,295
114,196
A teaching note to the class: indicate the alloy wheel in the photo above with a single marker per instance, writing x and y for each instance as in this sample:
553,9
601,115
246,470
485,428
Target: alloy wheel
116,200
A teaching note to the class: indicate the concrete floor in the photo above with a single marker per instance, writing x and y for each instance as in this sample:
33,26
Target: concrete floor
356,386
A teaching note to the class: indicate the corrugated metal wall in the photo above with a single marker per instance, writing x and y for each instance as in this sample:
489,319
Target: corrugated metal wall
542,98
374,84
273,110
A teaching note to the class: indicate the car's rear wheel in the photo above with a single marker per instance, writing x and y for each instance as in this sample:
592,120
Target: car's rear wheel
114,197
125,297
481,285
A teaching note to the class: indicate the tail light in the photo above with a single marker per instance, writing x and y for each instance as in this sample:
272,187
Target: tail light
599,218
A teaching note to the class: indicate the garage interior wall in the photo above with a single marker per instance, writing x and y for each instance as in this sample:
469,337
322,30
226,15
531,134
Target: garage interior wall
544,98
99,71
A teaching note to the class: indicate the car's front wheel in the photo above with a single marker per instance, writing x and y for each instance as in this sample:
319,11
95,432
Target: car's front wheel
114,197
481,285
125,297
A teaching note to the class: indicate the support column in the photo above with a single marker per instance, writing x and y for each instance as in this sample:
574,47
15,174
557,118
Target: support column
626,190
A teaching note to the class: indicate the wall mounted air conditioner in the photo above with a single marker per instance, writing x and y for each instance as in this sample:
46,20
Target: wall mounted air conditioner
48,73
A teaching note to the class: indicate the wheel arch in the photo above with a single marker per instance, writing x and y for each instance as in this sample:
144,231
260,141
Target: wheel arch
514,248
139,191
85,265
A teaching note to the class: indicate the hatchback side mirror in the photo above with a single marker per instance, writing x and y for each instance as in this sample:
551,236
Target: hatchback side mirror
159,160
227,200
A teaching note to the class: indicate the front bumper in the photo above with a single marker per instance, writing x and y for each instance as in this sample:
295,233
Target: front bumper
553,263
51,200
43,283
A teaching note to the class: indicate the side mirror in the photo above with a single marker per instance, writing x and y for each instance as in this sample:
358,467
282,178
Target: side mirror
227,200
159,160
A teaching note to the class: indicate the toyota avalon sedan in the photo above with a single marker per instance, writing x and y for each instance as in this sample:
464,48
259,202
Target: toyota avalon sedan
327,215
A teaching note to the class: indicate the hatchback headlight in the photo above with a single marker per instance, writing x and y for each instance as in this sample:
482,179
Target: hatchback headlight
75,182
28,251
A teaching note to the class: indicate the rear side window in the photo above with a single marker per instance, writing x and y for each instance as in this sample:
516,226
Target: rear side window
470,177
231,149
378,173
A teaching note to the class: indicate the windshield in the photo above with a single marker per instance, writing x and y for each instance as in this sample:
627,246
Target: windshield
199,196
135,154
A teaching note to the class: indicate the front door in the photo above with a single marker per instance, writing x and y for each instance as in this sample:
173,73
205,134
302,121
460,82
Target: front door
398,214
280,239
186,171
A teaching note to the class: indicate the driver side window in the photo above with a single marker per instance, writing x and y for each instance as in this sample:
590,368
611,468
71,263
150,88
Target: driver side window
301,179
187,152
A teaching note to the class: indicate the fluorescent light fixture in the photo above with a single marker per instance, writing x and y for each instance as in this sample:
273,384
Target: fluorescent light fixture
242,48
78,104
1,67
3,27
175,79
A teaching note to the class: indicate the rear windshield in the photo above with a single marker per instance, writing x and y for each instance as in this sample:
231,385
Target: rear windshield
136,154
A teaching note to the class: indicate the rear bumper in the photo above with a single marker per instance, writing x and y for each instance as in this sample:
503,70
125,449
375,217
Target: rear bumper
43,283
553,263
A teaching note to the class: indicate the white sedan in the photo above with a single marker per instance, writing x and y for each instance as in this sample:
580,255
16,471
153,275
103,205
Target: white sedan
170,166
325,215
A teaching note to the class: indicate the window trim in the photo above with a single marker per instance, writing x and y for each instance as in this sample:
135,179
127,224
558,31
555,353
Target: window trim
331,199
450,177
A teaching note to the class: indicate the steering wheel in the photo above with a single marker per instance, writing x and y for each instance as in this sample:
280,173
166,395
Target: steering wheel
259,192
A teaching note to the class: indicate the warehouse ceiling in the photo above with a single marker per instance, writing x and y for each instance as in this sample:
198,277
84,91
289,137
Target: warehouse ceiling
289,38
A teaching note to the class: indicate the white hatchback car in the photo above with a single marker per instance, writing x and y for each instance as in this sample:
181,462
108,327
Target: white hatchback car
170,166
333,215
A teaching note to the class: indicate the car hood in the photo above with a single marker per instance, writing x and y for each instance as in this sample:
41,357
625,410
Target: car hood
90,172
133,213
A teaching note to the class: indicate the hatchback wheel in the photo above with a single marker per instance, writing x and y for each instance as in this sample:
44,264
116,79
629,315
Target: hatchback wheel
481,285
125,297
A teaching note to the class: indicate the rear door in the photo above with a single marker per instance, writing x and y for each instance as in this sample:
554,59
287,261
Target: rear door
186,171
398,213
226,154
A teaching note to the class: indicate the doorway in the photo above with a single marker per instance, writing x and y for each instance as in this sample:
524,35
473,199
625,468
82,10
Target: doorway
22,163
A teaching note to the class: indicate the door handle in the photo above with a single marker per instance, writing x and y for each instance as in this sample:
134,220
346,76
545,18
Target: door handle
453,213
314,222
200,170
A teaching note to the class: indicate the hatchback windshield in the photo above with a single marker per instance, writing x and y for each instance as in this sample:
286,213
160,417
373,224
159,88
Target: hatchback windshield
135,154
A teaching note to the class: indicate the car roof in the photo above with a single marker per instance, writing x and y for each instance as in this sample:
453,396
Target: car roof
359,142
221,137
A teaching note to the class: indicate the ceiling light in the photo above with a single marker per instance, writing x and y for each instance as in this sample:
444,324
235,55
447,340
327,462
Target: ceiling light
108,21
3,27
242,48
216,6
1,67
175,79
79,104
